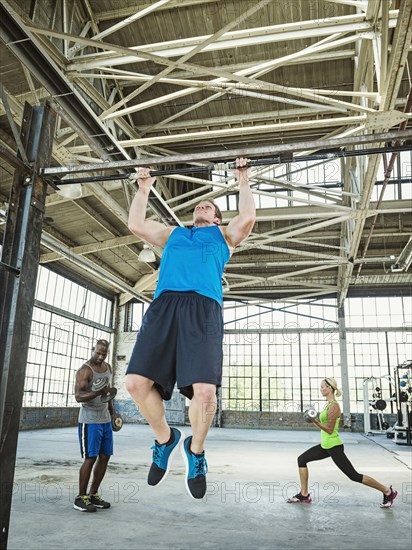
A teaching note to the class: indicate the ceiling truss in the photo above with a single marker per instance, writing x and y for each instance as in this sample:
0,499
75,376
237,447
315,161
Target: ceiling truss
227,86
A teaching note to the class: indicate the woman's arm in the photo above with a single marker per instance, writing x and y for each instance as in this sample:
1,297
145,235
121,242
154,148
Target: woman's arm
333,415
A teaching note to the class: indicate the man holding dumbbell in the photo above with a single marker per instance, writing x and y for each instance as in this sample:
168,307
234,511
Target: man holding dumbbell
93,392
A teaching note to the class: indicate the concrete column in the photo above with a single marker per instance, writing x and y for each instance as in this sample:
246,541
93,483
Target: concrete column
344,366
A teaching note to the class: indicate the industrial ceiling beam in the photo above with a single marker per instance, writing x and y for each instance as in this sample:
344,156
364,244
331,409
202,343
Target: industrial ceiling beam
127,21
127,11
242,38
281,127
97,271
197,49
368,171
91,248
252,73
330,35
32,53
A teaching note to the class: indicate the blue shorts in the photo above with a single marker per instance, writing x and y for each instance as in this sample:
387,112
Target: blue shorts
95,439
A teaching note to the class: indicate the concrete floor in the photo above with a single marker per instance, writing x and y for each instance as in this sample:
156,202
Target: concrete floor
251,472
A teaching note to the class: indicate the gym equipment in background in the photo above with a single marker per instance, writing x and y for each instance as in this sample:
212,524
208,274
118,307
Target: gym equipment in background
402,430
374,405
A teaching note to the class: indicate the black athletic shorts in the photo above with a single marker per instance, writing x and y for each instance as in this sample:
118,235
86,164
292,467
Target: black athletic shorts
180,340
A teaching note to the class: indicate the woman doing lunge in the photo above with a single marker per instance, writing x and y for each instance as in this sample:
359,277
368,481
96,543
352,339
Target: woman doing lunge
332,446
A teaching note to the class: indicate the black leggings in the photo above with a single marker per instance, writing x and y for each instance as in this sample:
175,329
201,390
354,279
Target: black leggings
337,455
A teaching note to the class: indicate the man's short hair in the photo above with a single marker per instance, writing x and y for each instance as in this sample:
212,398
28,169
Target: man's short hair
104,343
218,213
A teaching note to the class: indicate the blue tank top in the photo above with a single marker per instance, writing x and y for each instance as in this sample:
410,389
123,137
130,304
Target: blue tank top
193,260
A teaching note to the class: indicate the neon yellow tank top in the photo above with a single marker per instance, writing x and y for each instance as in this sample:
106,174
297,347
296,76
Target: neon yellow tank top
329,440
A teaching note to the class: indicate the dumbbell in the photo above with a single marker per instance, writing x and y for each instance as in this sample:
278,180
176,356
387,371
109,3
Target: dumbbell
310,414
117,422
99,384
109,395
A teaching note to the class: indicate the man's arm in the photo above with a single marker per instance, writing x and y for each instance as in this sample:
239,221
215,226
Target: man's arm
81,393
152,232
110,403
240,226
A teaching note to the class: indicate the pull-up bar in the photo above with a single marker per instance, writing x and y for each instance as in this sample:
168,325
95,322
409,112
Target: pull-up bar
330,155
280,150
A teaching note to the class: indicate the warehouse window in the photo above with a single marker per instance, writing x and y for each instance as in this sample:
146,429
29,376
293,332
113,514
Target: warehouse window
67,321
276,362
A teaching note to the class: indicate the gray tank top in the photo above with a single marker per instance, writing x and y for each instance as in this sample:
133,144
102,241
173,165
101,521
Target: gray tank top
94,411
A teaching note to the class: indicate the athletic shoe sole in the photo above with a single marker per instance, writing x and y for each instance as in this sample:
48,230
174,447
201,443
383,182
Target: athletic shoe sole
83,509
183,452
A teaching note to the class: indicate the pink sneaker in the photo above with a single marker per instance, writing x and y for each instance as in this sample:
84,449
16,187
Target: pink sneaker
300,498
388,499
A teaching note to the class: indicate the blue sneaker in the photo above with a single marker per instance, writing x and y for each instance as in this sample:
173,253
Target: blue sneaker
162,457
196,470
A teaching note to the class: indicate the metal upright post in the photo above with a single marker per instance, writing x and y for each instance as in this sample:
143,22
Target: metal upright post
18,274
344,367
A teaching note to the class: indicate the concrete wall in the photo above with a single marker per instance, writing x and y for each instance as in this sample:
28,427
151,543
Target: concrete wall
122,350
175,410
36,418
286,420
